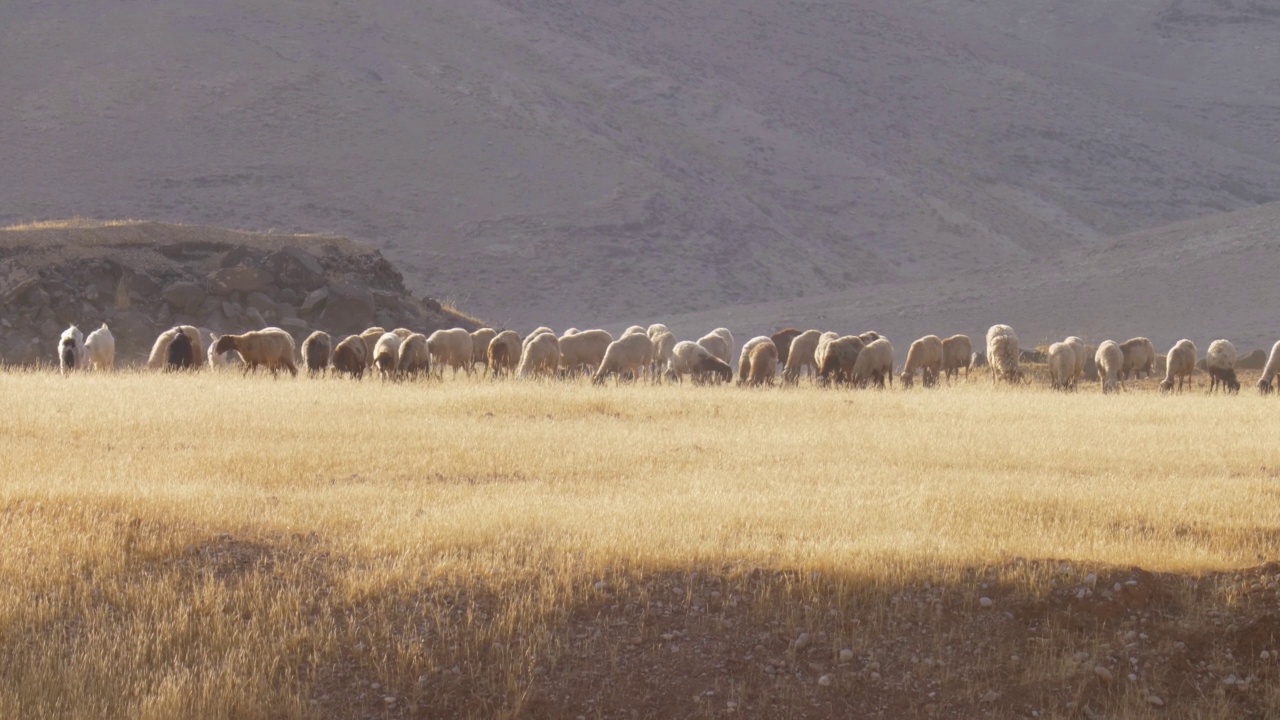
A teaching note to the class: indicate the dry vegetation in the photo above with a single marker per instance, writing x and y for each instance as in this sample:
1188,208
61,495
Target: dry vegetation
212,546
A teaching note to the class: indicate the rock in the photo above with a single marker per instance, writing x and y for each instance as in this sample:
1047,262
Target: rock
242,255
985,602
802,641
90,292
990,697
1155,700
15,281
183,296
231,309
290,296
315,299
260,302
295,267
294,325
241,278
1104,675
349,309
846,655
256,318
825,681
37,297
1091,580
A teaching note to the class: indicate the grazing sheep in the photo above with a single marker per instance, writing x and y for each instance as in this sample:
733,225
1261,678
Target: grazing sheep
728,341
413,358
349,357
1269,370
1179,363
100,349
1082,357
503,353
386,355
584,351
820,350
763,363
541,356
838,359
1110,359
800,355
869,337
716,345
924,355
480,340
270,347
782,340
653,330
536,332
1139,357
159,350
635,330
1062,366
1220,361
628,354
664,344
70,349
875,363
317,350
1002,354
370,338
180,354
402,333
690,358
217,361
957,355
744,360
451,348
570,331
979,360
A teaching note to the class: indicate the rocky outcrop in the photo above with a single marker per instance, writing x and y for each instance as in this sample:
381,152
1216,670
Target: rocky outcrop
141,278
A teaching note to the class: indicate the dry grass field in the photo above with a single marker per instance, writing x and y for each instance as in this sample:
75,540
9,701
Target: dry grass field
213,546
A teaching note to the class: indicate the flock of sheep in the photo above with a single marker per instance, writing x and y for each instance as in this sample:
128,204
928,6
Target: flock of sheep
653,353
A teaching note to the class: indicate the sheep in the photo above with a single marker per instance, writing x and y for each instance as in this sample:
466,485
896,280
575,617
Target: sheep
1221,364
503,353
1139,357
1082,357
717,346
584,351
1062,366
570,331
100,349
875,363
664,344
819,350
957,355
349,357
635,330
159,350
924,355
630,353
270,347
180,353
1109,359
480,340
800,355
763,362
1179,363
536,332
869,337
217,361
370,338
728,341
451,348
655,329
70,349
541,355
1002,353
413,358
317,350
744,360
693,359
838,359
1269,370
782,340
386,355
402,333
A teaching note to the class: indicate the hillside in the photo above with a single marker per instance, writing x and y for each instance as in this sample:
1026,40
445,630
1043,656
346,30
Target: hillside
565,162
145,277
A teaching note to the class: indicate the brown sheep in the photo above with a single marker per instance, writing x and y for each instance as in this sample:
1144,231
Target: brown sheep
782,340
370,339
271,347
349,357
924,355
158,355
413,358
957,355
1139,357
316,352
503,353
801,355
763,362
839,358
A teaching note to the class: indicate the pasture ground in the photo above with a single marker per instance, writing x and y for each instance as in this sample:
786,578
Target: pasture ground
215,546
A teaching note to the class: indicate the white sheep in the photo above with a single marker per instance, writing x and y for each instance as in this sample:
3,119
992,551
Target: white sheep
413,358
664,345
160,349
386,355
1003,353
653,330
1270,370
450,348
801,355
1139,357
1062,366
100,349
317,351
690,358
628,354
874,364
1109,359
582,352
1179,363
480,340
540,357
728,341
503,353
370,339
635,330
71,350
1220,361
957,355
1082,357
717,346
924,355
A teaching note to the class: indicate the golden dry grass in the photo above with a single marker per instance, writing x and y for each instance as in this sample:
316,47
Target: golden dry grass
212,546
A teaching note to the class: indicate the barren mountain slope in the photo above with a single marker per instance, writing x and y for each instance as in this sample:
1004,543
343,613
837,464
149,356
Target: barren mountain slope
565,162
